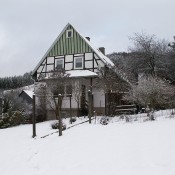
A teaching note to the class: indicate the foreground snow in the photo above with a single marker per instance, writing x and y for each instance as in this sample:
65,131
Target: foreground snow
137,148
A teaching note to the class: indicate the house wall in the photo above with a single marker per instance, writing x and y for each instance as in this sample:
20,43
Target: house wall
90,62
99,100
65,114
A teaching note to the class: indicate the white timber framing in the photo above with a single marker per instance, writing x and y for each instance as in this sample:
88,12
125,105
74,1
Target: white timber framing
90,62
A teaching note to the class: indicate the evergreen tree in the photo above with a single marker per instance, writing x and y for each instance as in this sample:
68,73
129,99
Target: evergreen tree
14,82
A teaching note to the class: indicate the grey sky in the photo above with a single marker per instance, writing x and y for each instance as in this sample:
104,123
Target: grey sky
28,27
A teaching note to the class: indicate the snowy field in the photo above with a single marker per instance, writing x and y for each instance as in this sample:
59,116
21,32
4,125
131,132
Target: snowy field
119,148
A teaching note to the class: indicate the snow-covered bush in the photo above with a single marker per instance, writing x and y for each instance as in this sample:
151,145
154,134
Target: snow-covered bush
73,119
152,91
12,118
15,110
55,125
104,120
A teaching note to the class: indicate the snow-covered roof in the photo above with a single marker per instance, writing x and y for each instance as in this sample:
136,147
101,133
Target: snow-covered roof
81,73
29,93
20,89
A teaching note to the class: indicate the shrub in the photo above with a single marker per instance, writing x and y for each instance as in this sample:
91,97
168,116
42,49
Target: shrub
55,125
152,91
27,119
73,119
104,120
12,118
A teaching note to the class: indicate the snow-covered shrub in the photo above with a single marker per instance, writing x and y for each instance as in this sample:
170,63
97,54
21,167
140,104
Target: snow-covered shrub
55,125
27,119
15,110
13,118
12,102
127,118
151,115
152,91
73,119
104,120
3,124
17,118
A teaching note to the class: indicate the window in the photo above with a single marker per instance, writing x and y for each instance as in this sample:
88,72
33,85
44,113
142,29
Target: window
69,89
78,62
58,90
69,33
60,64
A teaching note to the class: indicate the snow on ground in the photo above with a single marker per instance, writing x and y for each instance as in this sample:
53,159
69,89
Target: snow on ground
134,148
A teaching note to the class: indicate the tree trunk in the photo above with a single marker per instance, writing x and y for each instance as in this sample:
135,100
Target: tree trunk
60,124
78,112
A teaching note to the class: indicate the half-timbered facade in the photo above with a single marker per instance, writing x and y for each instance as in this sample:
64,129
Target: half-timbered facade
77,56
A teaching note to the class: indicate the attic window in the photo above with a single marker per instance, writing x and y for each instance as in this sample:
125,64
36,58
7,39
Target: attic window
69,33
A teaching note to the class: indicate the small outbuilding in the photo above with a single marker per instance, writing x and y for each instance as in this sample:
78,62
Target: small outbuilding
27,96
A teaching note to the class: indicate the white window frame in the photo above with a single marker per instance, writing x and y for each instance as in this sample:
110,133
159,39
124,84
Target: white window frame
62,59
67,31
75,58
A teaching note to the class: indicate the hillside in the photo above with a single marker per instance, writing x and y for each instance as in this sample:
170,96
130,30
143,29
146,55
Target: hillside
134,148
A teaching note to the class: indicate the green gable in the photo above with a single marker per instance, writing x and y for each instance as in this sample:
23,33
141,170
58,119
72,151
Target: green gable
71,42
72,45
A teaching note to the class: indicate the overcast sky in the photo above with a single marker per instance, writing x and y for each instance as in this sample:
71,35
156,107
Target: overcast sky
28,27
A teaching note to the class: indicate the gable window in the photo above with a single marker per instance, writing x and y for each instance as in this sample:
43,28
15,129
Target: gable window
59,64
69,33
78,62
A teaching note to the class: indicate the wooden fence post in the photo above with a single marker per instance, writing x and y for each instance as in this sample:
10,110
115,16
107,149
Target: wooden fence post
70,109
90,105
60,116
34,118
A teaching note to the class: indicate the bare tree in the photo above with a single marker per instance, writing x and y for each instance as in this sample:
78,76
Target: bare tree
56,91
171,62
112,80
125,65
172,44
149,53
41,104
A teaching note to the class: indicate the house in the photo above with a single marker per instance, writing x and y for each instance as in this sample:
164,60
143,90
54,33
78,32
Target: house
27,95
81,60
